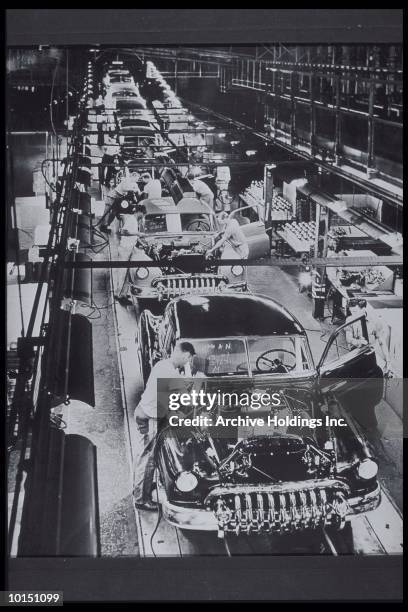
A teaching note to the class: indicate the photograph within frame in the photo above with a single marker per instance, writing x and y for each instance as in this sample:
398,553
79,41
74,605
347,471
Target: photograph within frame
263,278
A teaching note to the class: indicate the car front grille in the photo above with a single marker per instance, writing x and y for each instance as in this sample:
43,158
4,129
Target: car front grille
174,285
285,508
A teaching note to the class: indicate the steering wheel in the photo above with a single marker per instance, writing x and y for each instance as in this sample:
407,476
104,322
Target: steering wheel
198,225
269,365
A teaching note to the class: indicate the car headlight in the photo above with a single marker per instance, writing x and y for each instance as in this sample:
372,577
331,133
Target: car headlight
367,469
237,270
142,273
186,482
124,204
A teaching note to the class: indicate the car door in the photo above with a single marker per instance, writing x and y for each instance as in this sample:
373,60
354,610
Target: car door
254,231
349,362
350,374
348,352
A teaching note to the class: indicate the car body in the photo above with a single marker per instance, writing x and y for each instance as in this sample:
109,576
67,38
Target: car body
126,103
131,121
137,126
286,479
128,99
126,93
123,94
178,237
122,86
136,131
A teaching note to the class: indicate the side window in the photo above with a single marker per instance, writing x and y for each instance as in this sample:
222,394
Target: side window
352,337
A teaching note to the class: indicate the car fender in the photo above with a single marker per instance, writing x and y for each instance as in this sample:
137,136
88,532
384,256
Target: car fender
138,254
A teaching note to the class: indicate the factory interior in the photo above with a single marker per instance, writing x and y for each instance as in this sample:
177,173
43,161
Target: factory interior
299,145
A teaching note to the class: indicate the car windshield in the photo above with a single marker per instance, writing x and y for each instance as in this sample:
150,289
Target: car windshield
174,222
278,354
254,355
120,79
219,357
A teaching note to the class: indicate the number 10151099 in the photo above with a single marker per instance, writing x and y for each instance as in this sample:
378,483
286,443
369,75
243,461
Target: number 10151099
21,598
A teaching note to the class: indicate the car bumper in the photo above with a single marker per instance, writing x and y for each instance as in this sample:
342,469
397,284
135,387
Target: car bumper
145,293
365,503
200,519
195,519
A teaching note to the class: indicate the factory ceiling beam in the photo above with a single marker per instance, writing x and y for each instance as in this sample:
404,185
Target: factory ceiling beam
367,185
227,57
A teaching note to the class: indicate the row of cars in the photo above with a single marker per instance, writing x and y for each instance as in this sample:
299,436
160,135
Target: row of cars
133,119
283,479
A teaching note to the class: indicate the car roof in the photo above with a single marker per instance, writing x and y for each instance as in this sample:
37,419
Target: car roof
136,103
240,314
135,123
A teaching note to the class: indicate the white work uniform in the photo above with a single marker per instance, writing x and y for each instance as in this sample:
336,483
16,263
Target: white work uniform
127,184
204,192
146,415
236,238
153,189
147,407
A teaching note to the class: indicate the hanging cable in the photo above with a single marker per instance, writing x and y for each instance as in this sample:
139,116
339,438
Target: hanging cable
50,185
51,97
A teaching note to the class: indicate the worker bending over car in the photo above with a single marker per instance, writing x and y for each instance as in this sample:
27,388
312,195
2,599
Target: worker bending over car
148,414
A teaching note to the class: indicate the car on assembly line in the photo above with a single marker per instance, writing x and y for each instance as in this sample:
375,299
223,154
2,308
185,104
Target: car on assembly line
136,132
136,126
128,98
124,95
293,476
177,237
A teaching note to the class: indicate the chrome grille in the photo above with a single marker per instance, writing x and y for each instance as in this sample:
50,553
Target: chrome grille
174,285
282,510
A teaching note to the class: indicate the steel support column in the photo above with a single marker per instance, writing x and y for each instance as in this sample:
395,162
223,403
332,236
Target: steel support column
370,139
337,133
294,80
313,86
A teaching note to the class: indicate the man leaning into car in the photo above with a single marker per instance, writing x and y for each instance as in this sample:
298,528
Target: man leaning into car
147,415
